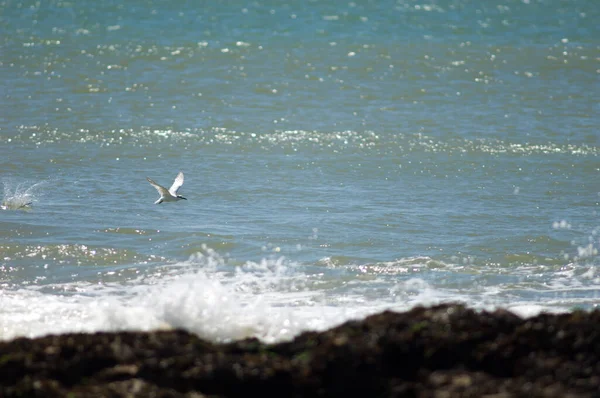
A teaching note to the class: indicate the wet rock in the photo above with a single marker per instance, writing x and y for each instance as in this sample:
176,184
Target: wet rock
441,351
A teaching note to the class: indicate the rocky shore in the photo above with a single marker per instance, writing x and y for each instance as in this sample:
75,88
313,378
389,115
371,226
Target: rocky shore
441,351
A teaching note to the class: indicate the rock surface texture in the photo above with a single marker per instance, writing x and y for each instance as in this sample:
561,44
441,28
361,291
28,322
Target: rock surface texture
442,351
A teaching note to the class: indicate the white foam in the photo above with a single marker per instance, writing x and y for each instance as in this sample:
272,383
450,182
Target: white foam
273,299
267,300
529,310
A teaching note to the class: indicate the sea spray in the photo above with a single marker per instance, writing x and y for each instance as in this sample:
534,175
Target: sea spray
20,196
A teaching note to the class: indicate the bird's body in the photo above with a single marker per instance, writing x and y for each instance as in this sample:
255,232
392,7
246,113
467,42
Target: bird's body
8,205
168,195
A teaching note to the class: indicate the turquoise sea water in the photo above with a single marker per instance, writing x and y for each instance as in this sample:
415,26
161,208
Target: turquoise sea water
340,158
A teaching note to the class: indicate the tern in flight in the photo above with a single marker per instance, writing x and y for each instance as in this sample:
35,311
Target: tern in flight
169,195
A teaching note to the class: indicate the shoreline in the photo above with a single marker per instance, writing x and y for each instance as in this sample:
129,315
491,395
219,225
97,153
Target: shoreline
446,350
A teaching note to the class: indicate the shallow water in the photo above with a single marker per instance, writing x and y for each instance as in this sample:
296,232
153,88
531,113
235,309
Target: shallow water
339,160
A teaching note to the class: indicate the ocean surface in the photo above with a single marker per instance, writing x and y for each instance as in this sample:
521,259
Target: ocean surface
340,159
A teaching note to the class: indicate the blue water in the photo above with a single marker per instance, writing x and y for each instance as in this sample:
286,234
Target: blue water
339,159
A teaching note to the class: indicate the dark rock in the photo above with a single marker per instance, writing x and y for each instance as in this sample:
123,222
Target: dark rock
442,351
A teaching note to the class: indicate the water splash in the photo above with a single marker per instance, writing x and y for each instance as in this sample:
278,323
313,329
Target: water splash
275,299
22,196
206,295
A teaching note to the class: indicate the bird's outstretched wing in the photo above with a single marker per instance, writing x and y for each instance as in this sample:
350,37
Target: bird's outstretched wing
161,190
176,184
